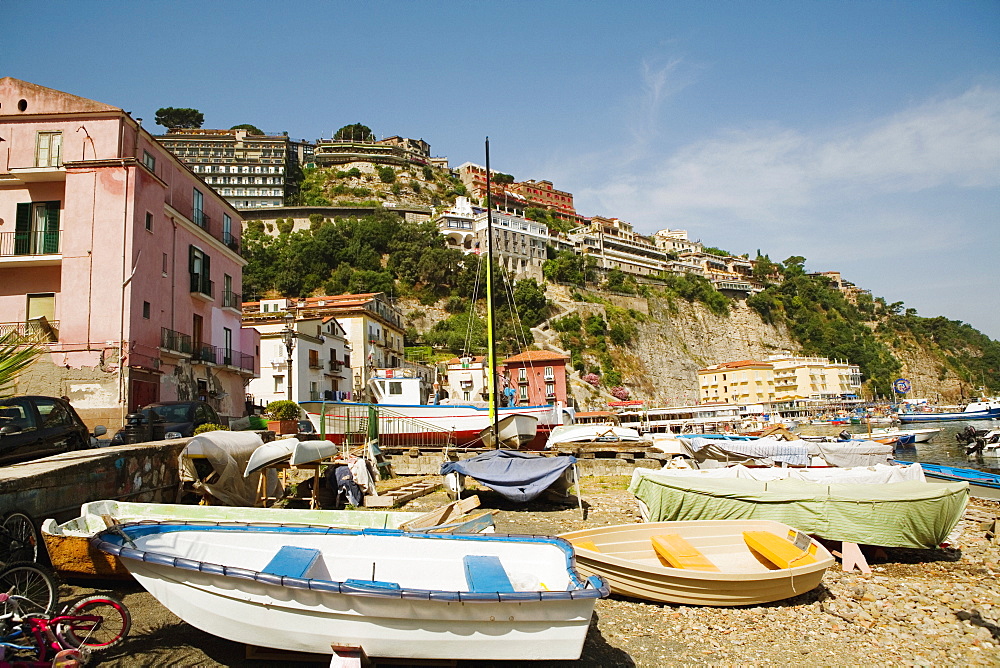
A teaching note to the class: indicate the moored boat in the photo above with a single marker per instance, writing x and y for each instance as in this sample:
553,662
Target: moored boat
707,562
982,484
394,594
977,410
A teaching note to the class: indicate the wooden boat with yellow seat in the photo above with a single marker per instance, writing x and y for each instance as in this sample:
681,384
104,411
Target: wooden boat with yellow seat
711,562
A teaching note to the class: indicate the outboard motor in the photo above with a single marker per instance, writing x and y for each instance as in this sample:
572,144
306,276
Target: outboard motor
967,435
845,435
976,446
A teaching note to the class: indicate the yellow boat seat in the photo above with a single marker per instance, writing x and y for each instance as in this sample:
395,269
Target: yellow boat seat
778,550
585,545
678,553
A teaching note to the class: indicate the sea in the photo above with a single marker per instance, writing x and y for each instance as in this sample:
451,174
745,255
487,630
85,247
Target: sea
941,449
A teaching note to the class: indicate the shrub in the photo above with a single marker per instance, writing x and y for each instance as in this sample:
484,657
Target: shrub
428,173
387,174
208,426
592,379
282,410
620,393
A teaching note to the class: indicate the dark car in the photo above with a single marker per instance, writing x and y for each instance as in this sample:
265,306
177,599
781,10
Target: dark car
32,427
168,419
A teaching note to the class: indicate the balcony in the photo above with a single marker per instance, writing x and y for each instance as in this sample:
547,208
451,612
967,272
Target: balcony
36,329
232,242
206,353
201,219
233,300
202,287
31,249
175,341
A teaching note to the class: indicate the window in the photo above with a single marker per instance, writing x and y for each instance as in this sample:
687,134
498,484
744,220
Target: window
41,305
164,267
145,310
548,372
229,298
200,268
149,222
53,413
279,383
36,228
227,230
314,359
48,149
522,393
550,389
149,160
227,337
522,374
198,209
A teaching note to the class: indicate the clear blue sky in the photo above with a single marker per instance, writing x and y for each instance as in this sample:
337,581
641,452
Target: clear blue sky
864,136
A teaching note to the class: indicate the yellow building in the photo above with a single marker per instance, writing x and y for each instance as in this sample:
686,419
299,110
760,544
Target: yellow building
744,382
778,378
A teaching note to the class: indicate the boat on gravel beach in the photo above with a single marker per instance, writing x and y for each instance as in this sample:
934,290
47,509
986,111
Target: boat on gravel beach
394,594
719,563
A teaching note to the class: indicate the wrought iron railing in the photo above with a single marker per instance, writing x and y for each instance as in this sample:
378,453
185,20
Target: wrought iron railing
201,284
13,244
231,241
232,299
176,341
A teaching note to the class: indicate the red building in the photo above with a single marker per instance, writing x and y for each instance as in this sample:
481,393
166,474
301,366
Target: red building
538,377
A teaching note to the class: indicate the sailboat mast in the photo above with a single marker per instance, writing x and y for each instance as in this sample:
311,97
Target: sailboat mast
490,325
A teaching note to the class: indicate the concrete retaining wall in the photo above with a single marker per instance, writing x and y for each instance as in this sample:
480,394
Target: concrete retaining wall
57,486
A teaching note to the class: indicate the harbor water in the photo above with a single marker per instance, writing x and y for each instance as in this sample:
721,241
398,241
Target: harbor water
941,449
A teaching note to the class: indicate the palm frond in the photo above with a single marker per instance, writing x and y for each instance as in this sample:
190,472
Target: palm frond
17,353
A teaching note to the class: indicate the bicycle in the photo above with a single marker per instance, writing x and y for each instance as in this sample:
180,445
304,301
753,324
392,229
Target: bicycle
91,624
19,538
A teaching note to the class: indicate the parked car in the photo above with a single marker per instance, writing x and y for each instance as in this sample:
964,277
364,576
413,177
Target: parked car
32,427
168,419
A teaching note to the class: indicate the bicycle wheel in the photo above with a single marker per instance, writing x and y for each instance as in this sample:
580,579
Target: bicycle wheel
109,629
23,535
35,584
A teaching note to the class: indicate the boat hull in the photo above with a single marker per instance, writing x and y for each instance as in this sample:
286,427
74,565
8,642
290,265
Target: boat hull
463,424
627,562
982,484
225,581
307,621
990,414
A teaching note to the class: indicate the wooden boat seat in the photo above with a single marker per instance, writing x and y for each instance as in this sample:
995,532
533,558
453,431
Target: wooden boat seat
679,553
778,550
291,562
485,574
585,545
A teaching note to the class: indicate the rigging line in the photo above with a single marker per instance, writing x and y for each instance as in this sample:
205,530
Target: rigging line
467,345
519,335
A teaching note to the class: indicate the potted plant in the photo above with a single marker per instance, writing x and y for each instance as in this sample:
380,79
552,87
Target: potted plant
283,416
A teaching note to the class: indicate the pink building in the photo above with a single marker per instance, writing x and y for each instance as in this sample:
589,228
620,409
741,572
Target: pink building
538,377
120,256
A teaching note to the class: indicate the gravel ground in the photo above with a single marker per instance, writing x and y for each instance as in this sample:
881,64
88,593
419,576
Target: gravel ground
918,608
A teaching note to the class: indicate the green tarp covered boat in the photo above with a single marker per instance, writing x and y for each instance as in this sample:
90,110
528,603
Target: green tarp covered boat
902,514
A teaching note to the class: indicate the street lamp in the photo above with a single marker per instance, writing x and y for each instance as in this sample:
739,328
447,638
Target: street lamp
288,336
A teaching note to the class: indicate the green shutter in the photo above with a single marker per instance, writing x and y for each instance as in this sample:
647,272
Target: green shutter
22,229
50,236
206,277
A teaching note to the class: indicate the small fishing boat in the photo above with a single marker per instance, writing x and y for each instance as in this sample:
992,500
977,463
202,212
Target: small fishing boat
270,453
982,484
307,452
906,436
396,594
719,563
605,432
515,430
70,552
977,410
910,514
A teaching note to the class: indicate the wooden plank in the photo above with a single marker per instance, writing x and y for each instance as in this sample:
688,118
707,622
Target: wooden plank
401,495
442,515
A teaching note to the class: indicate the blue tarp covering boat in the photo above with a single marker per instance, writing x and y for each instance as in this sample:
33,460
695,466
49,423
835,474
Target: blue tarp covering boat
519,476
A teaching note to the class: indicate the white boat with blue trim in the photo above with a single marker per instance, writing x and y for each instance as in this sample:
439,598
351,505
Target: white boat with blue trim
396,594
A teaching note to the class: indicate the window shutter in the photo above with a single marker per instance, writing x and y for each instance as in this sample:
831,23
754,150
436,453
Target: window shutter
50,238
22,228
